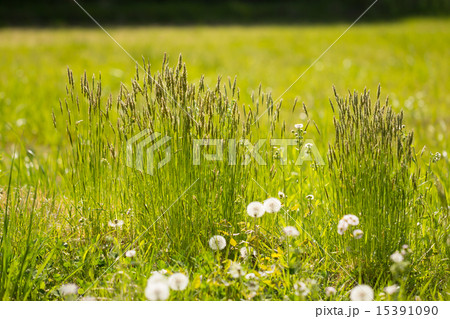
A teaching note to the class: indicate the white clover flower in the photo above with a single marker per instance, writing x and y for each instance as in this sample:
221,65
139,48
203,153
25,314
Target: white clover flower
130,253
217,242
255,209
298,126
236,270
330,291
247,251
310,196
156,277
361,293
250,275
301,289
68,289
351,220
390,290
291,231
397,257
116,223
178,281
358,233
157,291
272,205
281,195
342,227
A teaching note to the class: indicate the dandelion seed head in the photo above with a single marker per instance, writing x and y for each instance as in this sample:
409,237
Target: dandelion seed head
390,290
245,252
361,293
272,205
252,285
358,233
250,275
89,298
330,291
351,220
130,253
157,291
301,289
281,195
178,281
217,242
236,270
68,289
310,197
342,227
255,209
397,257
116,223
156,277
291,231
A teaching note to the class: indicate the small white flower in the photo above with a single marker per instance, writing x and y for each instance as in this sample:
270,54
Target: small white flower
130,253
358,233
301,289
178,281
255,209
342,227
361,293
281,195
298,126
351,220
236,270
272,205
397,257
246,251
310,196
68,289
308,146
330,291
157,291
115,223
291,231
390,290
217,242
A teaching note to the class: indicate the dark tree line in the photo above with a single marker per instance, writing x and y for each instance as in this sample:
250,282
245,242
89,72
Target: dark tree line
66,12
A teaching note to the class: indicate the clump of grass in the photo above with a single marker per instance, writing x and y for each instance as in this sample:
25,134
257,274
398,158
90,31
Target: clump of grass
166,103
375,175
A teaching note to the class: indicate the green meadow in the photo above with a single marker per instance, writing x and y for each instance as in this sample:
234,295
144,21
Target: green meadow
80,221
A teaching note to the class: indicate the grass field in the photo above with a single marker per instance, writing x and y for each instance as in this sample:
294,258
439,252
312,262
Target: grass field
65,188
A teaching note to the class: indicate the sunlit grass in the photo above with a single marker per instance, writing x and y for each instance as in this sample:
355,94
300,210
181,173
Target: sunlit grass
72,212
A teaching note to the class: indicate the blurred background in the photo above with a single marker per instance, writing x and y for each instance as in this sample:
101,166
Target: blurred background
401,44
65,12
